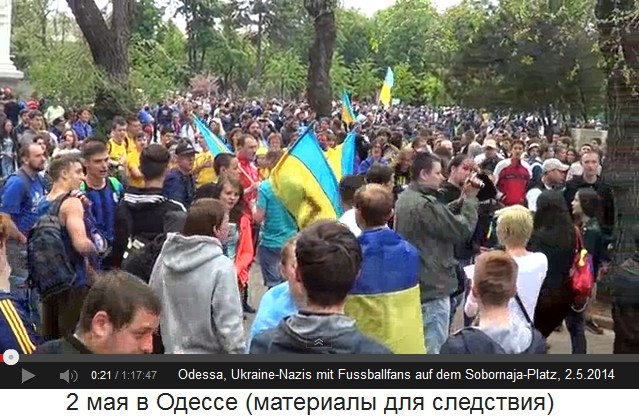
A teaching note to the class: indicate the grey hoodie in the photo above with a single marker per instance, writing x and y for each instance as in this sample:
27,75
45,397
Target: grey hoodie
201,308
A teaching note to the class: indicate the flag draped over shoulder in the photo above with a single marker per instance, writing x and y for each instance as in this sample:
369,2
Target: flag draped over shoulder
215,144
342,158
348,115
388,308
305,183
385,93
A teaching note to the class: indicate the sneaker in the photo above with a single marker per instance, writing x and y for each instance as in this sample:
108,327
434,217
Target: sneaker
248,309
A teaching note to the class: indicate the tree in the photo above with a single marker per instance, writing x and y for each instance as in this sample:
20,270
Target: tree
340,75
406,83
365,80
109,45
619,43
320,55
284,74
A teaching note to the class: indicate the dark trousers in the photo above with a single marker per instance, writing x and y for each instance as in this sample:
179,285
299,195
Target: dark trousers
576,324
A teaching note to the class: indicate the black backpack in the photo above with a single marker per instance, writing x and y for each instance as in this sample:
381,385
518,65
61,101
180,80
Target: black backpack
141,254
49,265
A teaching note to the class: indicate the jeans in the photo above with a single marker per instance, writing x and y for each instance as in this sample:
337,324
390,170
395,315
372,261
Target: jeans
576,325
270,265
436,315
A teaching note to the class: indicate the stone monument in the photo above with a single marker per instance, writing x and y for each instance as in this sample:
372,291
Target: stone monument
9,75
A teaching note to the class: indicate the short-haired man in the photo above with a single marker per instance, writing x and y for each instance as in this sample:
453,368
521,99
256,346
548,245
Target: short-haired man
348,185
145,213
179,184
512,175
430,226
591,179
21,195
385,298
494,285
328,261
103,191
119,316
61,310
553,175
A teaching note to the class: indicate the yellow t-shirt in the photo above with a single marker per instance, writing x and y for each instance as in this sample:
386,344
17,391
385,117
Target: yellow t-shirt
133,161
116,151
206,175
130,145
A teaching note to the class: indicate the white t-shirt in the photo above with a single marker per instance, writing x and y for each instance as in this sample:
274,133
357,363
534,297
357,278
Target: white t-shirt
532,269
348,219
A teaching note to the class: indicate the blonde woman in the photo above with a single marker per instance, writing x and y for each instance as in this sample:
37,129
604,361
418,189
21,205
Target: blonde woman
514,228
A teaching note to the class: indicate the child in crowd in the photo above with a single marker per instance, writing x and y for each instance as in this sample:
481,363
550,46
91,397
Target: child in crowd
282,300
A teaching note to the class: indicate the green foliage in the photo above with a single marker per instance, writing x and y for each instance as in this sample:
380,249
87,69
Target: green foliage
521,55
284,74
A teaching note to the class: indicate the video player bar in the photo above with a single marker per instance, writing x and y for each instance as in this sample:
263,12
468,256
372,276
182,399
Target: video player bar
327,375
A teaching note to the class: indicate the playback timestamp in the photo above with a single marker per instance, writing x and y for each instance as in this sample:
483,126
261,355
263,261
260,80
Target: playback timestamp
124,375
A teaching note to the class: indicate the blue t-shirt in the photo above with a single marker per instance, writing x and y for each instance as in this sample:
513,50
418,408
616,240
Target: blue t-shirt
276,304
279,226
104,203
20,199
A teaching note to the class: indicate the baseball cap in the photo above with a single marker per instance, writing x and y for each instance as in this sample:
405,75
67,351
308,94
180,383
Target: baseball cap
490,144
552,164
184,149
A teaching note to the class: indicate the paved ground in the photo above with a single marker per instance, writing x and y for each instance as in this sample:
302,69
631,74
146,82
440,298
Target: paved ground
559,341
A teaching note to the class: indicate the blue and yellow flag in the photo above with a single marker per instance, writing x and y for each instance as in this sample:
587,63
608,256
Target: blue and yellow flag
388,308
385,93
215,144
305,183
342,158
348,116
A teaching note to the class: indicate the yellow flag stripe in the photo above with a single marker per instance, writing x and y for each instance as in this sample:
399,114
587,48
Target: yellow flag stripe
17,327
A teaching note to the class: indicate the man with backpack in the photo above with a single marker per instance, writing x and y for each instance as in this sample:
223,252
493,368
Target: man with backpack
21,193
145,215
103,191
58,247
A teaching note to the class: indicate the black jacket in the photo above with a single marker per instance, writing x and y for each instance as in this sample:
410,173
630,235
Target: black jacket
145,213
607,200
67,345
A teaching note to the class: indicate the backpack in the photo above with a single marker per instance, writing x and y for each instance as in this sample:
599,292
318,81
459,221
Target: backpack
582,273
141,254
20,173
49,265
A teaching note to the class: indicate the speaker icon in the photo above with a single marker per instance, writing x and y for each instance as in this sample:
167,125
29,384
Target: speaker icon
69,376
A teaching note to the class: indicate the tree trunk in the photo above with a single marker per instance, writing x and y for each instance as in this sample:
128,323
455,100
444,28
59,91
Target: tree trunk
619,43
109,45
318,87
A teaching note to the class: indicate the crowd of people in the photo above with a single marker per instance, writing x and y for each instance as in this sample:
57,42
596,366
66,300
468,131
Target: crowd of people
142,242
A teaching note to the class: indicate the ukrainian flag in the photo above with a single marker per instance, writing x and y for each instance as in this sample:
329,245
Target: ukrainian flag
305,183
215,144
348,116
342,158
385,93
388,307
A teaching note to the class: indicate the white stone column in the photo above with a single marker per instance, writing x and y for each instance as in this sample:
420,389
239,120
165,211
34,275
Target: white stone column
8,72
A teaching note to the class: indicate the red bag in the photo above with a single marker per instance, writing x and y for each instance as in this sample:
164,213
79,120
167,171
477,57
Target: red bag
582,273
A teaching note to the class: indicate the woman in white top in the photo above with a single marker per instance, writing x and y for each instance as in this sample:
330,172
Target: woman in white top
514,228
68,143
